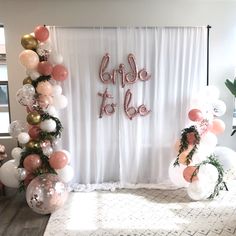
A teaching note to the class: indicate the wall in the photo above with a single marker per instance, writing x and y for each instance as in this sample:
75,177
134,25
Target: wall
20,17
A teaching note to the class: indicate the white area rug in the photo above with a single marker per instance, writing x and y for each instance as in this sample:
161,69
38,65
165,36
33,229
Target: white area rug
134,212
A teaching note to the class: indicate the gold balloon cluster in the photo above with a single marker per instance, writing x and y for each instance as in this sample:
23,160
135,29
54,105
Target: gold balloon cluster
28,41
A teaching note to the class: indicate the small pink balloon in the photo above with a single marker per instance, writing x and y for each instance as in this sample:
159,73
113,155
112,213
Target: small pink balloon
44,88
59,73
44,101
32,162
34,132
195,115
58,160
41,33
29,59
44,68
217,126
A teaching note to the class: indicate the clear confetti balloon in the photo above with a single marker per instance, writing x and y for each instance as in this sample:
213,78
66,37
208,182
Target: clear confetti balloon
16,127
46,194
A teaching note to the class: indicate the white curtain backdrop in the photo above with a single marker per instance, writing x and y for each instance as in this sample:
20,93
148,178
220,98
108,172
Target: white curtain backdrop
114,149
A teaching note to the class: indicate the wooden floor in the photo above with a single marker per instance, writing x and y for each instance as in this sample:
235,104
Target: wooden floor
16,218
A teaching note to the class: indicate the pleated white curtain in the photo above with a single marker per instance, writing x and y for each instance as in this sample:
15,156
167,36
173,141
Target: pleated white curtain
115,149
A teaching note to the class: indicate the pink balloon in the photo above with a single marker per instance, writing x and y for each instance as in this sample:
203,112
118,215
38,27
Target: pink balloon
45,68
188,172
195,115
59,73
44,88
32,162
41,33
44,101
58,160
217,126
34,132
29,59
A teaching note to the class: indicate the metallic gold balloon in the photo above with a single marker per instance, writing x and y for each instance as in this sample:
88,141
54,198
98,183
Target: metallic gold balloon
33,118
28,41
33,144
27,80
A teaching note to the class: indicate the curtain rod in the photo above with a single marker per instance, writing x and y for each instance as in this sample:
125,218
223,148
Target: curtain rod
115,27
208,51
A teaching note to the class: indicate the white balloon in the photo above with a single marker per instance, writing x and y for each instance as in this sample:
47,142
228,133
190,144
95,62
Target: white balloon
199,190
226,157
56,90
176,175
23,138
9,173
68,154
48,125
47,150
60,101
16,154
209,93
51,110
34,75
209,139
55,58
208,173
66,174
218,108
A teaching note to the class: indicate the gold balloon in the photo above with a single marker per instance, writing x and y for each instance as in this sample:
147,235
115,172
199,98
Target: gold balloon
33,118
27,80
28,41
33,144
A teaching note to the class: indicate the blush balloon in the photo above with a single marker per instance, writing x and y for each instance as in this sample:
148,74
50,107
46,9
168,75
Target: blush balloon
188,172
58,160
32,162
45,68
34,132
29,59
44,101
195,115
41,33
217,126
44,88
59,73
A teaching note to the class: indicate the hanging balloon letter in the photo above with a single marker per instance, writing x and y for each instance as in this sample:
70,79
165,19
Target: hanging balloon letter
131,112
108,109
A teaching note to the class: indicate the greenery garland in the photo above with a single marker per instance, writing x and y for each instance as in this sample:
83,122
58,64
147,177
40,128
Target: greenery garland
45,168
220,184
184,144
51,135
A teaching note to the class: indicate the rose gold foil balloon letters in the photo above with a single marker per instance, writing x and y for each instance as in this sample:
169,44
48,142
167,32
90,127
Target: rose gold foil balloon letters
130,77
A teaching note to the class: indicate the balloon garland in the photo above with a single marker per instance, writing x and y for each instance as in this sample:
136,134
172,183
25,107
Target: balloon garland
196,166
38,166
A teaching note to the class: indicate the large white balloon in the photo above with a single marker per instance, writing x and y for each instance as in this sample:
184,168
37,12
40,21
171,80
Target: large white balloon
208,173
9,174
176,175
226,157
199,190
66,174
